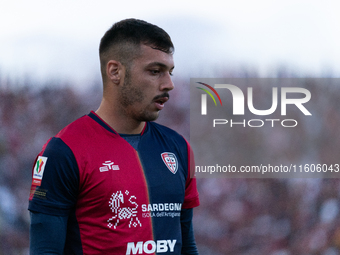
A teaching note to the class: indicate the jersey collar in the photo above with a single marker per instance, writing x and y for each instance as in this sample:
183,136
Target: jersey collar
101,122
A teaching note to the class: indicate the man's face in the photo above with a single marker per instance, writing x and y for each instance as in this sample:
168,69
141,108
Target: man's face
146,84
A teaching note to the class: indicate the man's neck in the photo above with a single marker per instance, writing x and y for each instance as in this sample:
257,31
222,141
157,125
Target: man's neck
120,124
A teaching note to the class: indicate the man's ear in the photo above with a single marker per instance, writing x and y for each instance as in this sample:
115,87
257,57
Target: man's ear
114,71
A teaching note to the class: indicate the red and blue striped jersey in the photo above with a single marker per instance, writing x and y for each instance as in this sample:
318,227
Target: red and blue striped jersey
119,200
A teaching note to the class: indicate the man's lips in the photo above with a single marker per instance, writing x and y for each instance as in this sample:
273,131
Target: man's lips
160,100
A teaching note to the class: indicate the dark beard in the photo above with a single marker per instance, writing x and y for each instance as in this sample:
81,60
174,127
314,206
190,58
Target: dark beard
129,94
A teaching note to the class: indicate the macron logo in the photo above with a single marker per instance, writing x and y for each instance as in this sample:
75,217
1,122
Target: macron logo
160,246
108,165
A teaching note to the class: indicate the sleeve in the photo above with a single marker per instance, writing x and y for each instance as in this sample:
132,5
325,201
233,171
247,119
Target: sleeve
191,198
47,234
188,238
55,181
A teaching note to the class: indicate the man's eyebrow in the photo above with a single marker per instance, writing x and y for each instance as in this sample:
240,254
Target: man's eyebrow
160,64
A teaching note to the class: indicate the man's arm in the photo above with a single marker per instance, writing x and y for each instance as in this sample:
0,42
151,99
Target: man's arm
47,234
52,199
191,200
188,238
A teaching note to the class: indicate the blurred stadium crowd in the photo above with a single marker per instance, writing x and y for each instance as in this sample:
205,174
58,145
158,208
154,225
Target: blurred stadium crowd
236,216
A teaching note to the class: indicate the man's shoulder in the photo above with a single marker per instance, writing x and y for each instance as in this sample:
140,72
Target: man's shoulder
79,126
77,132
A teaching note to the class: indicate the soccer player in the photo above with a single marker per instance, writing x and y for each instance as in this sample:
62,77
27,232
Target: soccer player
113,181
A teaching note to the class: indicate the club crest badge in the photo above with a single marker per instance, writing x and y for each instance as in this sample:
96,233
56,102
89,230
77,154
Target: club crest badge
170,161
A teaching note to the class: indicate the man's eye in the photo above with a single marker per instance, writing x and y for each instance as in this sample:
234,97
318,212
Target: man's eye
154,72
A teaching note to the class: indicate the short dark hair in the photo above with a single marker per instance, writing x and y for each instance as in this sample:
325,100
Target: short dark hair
123,39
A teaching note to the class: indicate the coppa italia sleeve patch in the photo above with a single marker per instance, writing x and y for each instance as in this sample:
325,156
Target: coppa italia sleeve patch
38,170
